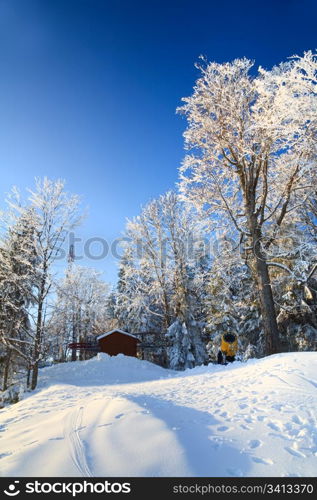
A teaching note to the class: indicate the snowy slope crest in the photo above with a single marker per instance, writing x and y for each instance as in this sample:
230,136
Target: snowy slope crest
102,369
125,417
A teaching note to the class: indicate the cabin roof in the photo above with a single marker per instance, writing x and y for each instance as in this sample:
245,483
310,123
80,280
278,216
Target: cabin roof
116,330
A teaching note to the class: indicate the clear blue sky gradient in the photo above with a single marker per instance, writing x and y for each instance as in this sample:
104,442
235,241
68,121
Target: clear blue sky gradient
89,88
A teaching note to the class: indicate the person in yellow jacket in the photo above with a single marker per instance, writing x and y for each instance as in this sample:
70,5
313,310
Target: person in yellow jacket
228,348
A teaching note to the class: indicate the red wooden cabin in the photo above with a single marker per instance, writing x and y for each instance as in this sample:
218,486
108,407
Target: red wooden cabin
118,342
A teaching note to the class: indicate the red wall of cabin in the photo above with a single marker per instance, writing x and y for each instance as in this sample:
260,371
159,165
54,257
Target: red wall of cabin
117,343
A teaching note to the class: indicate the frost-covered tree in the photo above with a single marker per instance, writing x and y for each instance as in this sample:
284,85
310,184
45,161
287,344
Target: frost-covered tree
137,308
109,321
131,307
309,216
57,213
79,311
18,279
160,285
294,287
31,244
253,157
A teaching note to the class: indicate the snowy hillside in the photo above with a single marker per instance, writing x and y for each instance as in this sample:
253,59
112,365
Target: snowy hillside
125,417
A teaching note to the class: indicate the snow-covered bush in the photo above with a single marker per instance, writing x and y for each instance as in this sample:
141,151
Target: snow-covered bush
185,346
12,395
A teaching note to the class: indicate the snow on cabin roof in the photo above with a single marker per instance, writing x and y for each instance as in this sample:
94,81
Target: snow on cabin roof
114,331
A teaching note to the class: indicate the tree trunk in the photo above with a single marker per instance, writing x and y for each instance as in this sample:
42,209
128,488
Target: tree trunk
38,335
74,336
28,376
7,369
266,300
37,346
35,373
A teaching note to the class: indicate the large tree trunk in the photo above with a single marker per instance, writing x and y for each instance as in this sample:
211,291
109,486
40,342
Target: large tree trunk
267,306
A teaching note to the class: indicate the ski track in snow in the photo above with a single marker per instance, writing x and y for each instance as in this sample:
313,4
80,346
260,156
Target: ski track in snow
245,419
72,428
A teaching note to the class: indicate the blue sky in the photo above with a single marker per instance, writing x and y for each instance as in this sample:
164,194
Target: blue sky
89,88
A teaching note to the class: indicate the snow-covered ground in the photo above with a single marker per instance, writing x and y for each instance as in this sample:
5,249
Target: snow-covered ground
125,417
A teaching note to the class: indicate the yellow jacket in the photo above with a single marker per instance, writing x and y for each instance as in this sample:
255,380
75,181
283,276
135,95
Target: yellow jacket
229,348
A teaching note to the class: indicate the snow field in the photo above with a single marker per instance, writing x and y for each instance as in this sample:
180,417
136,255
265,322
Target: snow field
124,417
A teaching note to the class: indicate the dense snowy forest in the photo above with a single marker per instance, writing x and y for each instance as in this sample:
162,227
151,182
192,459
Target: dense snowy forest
232,249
